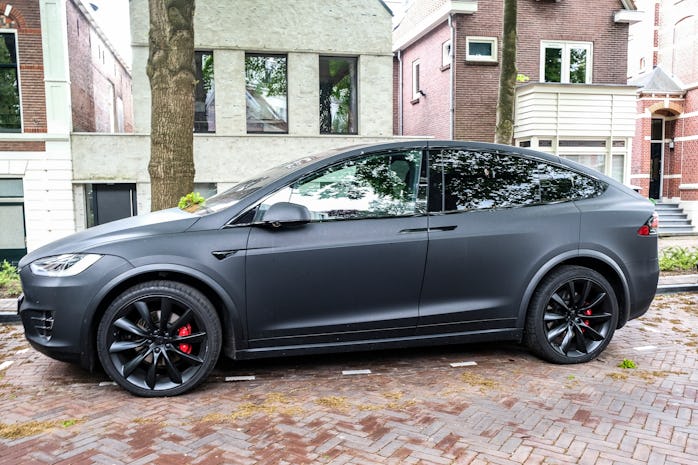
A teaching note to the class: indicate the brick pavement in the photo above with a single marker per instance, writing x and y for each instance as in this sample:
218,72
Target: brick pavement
414,407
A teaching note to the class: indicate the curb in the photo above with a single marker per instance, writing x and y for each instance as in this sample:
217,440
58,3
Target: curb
9,317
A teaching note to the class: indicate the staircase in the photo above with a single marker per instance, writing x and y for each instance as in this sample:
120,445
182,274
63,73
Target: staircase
673,221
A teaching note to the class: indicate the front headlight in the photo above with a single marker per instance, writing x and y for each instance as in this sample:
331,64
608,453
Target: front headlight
63,265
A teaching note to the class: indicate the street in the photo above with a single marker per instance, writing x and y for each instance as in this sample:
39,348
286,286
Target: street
484,403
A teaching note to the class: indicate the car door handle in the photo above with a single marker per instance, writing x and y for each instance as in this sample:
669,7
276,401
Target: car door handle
421,230
443,228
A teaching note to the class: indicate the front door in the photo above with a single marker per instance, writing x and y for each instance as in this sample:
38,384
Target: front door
356,268
656,146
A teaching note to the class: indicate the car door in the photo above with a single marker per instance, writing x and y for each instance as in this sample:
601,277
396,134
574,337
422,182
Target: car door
494,218
354,272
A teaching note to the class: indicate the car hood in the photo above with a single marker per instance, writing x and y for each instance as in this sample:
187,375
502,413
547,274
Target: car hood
168,221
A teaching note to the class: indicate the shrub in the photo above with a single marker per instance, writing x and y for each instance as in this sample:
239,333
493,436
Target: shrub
678,259
9,280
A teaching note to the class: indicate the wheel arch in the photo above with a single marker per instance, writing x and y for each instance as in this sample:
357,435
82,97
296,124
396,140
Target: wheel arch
224,305
592,259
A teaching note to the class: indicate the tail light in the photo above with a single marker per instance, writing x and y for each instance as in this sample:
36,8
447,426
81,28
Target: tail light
650,226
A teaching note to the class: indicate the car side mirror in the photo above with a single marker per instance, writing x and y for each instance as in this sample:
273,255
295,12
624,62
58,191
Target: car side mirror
286,214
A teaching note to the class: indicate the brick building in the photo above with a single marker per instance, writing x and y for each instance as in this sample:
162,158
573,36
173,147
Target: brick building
574,101
664,64
58,73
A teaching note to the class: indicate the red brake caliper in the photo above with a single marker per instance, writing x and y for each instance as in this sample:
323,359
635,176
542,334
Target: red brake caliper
185,331
587,312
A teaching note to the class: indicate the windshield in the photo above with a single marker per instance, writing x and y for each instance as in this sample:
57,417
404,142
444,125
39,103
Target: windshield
243,189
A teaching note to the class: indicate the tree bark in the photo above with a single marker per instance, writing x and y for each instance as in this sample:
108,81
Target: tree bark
172,78
504,131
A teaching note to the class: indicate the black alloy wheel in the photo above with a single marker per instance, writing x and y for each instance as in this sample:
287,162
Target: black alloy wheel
159,338
572,316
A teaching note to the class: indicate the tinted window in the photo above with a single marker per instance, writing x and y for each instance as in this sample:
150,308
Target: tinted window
473,180
372,187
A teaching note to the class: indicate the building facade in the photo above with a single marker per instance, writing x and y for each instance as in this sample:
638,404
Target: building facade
50,82
274,84
664,65
572,99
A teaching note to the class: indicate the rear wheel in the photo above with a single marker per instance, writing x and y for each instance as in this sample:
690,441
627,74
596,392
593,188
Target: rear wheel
159,338
572,316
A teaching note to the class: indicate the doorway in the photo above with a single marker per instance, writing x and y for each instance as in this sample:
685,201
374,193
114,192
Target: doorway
656,158
109,202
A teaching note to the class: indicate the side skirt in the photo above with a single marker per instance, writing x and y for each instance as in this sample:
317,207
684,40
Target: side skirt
510,334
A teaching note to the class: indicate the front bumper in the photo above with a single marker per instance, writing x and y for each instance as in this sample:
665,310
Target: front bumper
57,312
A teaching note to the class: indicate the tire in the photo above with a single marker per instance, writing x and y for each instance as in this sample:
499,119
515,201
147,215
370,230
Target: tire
572,316
154,356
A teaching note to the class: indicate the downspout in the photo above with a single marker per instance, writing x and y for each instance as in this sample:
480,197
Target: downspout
399,97
451,80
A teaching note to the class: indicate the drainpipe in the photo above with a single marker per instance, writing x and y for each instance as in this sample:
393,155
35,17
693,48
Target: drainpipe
451,80
399,96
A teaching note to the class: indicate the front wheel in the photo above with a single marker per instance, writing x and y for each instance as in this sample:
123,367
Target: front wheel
572,316
159,338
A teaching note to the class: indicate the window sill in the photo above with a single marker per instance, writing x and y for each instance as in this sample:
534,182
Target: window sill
482,62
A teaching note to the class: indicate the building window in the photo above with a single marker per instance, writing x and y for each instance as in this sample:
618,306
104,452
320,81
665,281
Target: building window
266,85
204,93
446,54
481,49
13,237
338,95
10,112
566,62
415,80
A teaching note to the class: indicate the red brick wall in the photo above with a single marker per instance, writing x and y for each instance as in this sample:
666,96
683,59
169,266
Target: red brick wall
476,84
573,21
92,77
427,115
688,128
25,16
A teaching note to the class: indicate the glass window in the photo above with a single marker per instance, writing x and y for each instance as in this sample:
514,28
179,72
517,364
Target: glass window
657,129
446,54
463,180
206,189
11,188
10,113
266,90
204,93
338,95
377,186
566,62
481,48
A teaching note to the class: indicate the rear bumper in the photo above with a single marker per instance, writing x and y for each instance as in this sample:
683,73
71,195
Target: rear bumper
644,277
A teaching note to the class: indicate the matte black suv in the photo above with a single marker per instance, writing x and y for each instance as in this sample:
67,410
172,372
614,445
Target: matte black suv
392,245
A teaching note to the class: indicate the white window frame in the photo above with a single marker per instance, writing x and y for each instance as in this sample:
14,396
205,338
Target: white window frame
415,80
480,39
446,51
566,46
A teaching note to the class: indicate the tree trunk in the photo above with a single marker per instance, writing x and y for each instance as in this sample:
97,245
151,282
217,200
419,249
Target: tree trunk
504,131
170,70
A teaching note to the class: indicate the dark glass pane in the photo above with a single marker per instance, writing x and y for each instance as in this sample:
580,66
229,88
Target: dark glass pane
657,129
578,65
204,93
8,49
338,96
483,49
266,85
553,65
489,180
10,118
374,187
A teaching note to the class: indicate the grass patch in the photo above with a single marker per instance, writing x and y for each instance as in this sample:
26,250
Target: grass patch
627,364
32,428
274,403
478,381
